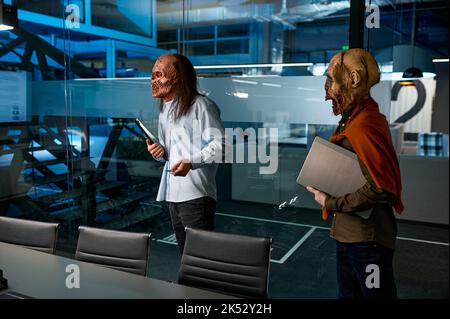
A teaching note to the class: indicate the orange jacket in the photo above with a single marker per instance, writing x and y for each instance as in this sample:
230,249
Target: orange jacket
367,130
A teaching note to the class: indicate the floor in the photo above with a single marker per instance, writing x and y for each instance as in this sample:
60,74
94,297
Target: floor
303,258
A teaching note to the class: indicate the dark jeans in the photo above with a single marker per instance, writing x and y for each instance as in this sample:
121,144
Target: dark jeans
356,275
196,213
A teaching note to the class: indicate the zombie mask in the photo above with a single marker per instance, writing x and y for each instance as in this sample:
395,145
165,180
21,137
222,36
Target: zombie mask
351,74
164,77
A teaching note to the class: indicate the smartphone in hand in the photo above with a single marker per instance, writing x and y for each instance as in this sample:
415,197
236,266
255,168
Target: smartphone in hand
146,132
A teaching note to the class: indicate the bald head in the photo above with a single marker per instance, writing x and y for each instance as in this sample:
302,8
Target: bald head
351,74
358,65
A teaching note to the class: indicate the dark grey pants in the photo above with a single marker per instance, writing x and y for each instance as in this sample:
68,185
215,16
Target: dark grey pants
196,213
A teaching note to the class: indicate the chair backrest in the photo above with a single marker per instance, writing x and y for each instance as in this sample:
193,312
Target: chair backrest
232,264
29,234
120,250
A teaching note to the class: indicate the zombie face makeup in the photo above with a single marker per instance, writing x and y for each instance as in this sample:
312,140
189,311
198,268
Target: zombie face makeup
334,90
164,78
336,86
351,74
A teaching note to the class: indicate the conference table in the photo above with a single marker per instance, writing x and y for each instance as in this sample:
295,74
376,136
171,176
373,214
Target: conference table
45,276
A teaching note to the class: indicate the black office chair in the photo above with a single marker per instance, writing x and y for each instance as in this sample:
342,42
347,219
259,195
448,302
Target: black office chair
232,264
120,250
29,234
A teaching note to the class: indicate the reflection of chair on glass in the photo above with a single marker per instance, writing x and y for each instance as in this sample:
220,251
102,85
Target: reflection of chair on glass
232,264
430,144
120,250
29,234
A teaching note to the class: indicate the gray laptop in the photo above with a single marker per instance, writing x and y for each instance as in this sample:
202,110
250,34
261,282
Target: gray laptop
332,169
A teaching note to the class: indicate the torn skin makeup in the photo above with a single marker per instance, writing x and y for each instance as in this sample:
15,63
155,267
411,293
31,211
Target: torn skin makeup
164,78
336,98
350,76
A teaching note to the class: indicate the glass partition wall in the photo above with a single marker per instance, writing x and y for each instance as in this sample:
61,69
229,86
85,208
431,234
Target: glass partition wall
75,74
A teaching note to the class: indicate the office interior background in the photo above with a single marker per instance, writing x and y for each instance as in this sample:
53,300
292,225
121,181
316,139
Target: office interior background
71,153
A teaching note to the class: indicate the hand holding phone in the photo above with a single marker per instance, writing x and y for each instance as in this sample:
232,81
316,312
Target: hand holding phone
146,132
155,149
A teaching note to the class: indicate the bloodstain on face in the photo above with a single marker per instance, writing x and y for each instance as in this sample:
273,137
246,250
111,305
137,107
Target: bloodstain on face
333,90
164,77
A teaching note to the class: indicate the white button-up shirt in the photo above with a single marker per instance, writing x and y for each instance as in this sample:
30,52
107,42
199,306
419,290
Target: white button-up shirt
197,136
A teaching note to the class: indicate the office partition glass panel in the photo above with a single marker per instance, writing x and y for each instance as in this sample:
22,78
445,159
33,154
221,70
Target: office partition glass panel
133,17
405,36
